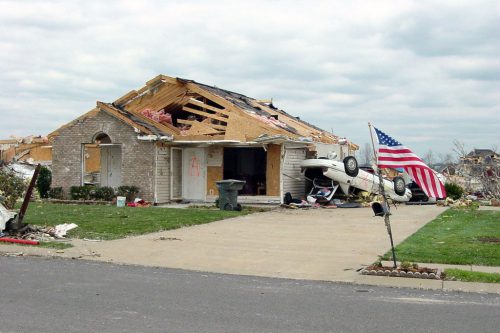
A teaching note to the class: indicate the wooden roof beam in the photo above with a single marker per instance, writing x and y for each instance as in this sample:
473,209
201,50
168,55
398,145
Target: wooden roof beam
104,107
190,122
204,114
206,106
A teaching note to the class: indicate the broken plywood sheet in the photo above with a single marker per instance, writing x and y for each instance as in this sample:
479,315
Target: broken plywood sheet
200,128
273,172
244,128
214,174
215,156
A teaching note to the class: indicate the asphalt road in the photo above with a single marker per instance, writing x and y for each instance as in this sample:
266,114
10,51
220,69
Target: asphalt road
57,295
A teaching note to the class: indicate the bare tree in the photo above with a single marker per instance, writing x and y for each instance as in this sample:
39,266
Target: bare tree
367,154
446,158
429,158
459,149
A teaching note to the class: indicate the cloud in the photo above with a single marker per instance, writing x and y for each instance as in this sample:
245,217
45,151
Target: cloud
425,70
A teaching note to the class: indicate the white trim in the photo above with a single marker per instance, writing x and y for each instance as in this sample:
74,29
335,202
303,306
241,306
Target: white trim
155,191
172,172
282,161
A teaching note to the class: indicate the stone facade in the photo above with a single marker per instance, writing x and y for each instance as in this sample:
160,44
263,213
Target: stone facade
138,157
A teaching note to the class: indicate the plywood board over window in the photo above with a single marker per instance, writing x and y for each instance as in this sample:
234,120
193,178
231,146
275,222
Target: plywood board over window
215,171
273,173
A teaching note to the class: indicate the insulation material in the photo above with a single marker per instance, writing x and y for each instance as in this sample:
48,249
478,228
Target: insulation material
158,116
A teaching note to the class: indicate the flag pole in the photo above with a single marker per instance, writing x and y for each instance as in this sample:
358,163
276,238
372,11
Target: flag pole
385,205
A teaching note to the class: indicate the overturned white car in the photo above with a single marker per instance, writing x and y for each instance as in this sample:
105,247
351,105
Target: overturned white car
349,177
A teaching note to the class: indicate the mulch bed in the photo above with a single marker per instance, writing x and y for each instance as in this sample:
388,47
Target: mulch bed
420,272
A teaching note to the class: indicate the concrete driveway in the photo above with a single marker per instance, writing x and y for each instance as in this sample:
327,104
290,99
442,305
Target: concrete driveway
317,244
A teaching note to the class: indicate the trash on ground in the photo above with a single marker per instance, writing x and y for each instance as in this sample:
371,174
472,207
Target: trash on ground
41,233
449,202
139,203
12,254
168,238
62,229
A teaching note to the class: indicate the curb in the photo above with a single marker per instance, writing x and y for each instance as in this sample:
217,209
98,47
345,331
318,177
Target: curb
428,284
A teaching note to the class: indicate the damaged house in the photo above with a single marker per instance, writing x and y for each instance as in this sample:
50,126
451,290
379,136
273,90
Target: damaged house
174,138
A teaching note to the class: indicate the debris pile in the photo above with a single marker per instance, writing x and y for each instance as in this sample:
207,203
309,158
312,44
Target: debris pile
139,203
42,233
449,202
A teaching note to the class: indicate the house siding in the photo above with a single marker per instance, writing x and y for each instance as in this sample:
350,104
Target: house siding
162,174
291,171
138,160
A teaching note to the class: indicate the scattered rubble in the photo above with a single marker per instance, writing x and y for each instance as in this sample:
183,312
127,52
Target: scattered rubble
449,202
42,233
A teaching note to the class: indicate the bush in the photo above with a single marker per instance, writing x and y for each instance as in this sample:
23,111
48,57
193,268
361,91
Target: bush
80,192
128,191
56,193
12,187
453,190
104,193
43,182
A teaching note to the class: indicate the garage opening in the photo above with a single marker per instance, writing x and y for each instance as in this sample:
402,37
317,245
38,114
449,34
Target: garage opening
248,164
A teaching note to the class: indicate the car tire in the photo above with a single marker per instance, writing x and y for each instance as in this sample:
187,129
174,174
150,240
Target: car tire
399,185
351,166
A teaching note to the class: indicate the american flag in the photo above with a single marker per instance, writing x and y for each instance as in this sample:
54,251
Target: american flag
393,154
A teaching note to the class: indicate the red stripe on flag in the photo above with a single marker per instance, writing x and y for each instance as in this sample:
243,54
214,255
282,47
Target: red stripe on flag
383,158
395,151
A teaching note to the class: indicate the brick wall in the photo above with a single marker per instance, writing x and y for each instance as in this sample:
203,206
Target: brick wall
137,156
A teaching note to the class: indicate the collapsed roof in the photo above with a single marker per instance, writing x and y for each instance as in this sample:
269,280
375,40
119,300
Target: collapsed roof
184,110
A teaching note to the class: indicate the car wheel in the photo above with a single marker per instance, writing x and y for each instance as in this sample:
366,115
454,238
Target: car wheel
399,185
351,166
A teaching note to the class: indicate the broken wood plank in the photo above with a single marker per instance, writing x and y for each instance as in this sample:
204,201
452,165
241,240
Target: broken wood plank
204,114
104,107
190,122
126,97
208,107
199,128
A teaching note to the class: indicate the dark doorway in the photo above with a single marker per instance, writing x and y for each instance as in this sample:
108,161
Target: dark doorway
248,164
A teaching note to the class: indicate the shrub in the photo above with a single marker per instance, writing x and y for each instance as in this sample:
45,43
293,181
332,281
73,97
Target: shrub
12,187
43,182
453,190
128,191
104,193
80,192
56,193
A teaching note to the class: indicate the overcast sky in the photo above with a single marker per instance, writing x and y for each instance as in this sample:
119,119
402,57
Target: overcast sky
425,72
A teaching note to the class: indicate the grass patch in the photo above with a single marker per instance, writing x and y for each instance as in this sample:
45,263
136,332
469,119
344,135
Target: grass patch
468,276
454,237
111,222
48,244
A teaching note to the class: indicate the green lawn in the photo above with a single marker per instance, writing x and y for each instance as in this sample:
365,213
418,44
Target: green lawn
468,276
454,237
110,222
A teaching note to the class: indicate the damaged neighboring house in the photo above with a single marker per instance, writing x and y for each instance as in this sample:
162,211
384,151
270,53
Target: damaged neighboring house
30,149
479,171
174,138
